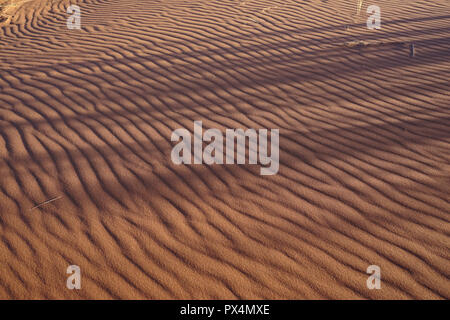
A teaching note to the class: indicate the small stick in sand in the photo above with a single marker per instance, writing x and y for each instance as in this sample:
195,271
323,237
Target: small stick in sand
45,202
412,51
359,6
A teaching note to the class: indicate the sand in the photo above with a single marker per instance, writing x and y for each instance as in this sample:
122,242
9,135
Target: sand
86,118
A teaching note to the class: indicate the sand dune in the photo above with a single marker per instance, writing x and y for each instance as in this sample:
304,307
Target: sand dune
86,118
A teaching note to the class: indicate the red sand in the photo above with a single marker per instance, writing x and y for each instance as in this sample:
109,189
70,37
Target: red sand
85,123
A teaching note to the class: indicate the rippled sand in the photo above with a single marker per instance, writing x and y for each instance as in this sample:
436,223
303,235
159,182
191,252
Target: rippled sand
86,118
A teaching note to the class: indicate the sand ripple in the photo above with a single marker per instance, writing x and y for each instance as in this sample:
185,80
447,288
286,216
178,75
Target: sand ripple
86,117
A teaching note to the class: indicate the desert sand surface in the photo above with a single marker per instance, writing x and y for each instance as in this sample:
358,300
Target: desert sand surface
86,118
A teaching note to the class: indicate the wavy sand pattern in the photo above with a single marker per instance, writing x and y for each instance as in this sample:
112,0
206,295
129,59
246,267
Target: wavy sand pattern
85,123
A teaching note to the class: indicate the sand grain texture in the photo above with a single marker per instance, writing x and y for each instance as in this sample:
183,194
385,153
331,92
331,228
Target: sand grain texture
85,123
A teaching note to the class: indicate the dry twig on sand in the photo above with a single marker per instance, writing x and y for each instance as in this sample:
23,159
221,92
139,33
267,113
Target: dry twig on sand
46,202
359,6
